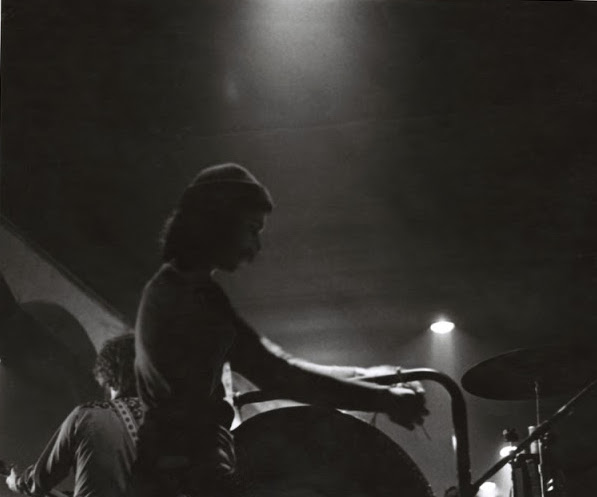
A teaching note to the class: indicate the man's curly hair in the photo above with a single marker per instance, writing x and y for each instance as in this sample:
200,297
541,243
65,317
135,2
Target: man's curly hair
114,366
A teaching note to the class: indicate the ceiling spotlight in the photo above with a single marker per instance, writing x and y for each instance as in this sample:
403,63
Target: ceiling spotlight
442,326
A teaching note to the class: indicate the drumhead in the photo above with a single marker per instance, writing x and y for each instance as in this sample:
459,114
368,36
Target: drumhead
316,452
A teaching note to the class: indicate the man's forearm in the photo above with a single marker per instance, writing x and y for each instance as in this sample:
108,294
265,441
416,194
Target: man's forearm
312,383
341,372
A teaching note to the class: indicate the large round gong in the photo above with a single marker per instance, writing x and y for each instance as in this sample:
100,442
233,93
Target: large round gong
316,452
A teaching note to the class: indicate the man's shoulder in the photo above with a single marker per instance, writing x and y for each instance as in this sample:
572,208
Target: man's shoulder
166,275
82,414
88,411
165,285
102,408
95,404
170,288
130,402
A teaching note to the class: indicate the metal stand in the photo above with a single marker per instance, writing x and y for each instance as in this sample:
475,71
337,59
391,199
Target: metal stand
540,431
526,476
460,421
538,475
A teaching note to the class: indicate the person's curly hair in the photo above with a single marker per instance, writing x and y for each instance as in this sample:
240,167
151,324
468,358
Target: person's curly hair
114,366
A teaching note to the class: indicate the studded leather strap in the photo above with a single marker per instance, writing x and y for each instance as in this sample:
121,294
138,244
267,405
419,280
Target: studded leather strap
127,418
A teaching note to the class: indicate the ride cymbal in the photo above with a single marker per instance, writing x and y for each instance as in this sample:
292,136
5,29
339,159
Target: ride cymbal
514,375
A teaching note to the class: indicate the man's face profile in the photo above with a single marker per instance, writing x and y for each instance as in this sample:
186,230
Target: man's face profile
243,240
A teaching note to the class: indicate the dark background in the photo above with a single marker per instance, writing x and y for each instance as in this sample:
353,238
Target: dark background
425,158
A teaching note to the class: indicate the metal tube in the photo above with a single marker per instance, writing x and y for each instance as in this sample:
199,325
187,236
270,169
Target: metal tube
459,420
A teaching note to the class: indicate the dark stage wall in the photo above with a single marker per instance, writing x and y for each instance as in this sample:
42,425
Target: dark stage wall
425,157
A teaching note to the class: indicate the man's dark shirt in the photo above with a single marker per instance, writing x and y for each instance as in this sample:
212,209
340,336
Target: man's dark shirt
94,442
186,330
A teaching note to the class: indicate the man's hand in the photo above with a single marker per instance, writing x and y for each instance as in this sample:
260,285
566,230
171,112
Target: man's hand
406,404
11,480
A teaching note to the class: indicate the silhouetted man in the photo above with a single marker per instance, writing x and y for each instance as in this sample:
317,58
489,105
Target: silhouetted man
97,440
187,330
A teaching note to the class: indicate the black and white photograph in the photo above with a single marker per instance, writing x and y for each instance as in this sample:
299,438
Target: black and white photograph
298,248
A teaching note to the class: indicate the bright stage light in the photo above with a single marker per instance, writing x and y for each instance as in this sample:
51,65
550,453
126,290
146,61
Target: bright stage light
488,489
506,450
442,326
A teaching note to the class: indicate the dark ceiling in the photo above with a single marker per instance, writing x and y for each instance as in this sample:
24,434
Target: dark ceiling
425,157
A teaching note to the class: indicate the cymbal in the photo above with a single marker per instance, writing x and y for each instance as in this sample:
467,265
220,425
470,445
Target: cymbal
514,375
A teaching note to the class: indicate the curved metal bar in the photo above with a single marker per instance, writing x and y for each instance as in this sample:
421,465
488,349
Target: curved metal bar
459,420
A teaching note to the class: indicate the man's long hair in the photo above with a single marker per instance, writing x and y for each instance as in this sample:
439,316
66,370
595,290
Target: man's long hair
208,205
114,366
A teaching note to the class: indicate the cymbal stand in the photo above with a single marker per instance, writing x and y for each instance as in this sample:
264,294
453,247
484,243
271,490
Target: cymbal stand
459,419
526,474
539,444
541,430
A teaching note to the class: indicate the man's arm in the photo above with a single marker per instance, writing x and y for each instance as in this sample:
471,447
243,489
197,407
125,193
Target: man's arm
54,463
273,369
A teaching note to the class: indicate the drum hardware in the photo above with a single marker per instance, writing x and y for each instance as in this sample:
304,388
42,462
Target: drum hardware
529,468
458,408
510,436
459,420
533,474
526,480
531,374
518,375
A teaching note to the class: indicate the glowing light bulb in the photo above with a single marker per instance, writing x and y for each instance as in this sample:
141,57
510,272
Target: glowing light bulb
488,489
442,326
506,450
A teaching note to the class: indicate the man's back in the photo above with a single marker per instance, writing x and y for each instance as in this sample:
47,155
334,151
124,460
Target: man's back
97,440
